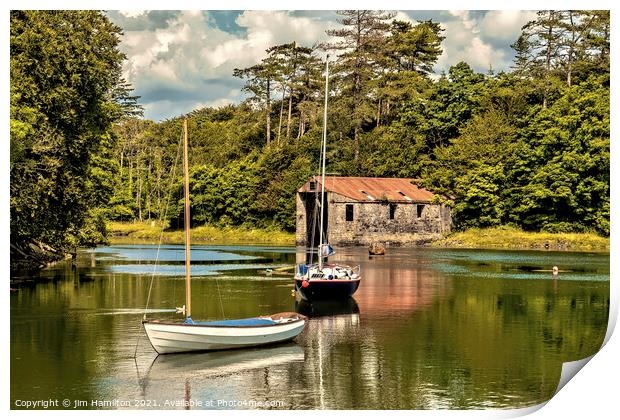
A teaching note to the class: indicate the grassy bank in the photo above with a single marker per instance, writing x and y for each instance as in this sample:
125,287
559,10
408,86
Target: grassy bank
121,232
512,238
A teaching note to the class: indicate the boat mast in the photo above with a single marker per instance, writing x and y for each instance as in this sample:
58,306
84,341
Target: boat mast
188,293
323,163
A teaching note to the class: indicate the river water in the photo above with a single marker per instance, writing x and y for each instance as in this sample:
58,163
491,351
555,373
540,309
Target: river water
427,329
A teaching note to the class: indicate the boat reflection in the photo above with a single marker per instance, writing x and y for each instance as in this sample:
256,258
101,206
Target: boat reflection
332,326
167,366
313,309
193,377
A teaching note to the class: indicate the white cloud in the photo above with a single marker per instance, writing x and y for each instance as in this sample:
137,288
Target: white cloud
184,59
404,17
481,42
217,103
465,19
505,25
190,52
132,13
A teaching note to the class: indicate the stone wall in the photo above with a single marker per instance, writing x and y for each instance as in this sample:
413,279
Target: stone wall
300,224
371,222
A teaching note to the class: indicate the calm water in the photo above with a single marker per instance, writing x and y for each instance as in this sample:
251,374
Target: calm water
426,329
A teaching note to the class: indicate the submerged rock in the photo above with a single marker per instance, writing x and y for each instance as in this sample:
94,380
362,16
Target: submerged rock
376,249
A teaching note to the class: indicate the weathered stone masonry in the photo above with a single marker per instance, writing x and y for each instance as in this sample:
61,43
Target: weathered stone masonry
386,219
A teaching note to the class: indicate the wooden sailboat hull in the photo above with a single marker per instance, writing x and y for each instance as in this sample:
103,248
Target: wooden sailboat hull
170,337
327,289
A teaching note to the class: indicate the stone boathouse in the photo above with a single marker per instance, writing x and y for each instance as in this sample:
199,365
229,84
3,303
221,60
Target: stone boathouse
361,211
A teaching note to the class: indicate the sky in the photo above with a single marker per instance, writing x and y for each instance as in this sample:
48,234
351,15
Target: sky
178,61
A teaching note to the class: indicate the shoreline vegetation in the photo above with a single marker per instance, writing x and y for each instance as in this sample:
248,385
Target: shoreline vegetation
527,147
38,256
502,237
508,238
126,232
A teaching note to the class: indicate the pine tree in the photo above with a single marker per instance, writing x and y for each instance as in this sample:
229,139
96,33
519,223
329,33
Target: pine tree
359,43
260,80
409,55
538,48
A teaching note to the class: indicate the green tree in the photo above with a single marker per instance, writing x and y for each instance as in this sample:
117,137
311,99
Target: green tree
560,178
260,80
65,67
290,61
359,43
444,109
410,52
486,143
539,48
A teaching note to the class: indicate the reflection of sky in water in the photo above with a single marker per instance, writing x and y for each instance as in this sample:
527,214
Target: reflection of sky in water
514,274
524,265
167,253
179,270
546,260
250,248
472,325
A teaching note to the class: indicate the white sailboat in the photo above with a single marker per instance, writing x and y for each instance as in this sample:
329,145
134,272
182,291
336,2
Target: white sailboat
323,281
184,336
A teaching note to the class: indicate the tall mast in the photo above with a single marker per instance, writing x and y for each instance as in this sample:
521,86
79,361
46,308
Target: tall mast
188,293
323,163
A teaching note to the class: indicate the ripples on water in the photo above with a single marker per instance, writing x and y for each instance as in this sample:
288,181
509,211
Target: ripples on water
427,328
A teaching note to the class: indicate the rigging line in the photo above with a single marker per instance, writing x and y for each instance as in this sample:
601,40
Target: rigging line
314,221
317,205
313,224
315,212
161,235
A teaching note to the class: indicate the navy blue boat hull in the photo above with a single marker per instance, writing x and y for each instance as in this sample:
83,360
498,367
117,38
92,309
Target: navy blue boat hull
327,289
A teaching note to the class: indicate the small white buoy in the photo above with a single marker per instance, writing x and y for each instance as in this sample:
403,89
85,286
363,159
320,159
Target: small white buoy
556,270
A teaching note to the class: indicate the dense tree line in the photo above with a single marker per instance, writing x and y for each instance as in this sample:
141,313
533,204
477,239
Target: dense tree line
66,92
528,147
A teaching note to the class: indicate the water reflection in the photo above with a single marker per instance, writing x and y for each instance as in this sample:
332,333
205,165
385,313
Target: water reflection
193,377
315,309
415,335
168,253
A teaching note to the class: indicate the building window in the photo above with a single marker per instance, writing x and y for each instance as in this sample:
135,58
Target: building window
312,185
420,210
349,212
392,211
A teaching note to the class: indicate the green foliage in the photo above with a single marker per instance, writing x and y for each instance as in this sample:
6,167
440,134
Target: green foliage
528,148
510,237
480,202
561,177
64,68
502,148
447,106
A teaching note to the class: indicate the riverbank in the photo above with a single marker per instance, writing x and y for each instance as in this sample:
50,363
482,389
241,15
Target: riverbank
511,238
34,256
127,232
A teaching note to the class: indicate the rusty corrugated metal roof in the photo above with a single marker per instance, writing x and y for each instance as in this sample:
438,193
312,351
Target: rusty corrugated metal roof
372,189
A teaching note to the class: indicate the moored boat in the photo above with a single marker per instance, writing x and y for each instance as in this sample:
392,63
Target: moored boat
326,282
175,337
185,336
322,281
